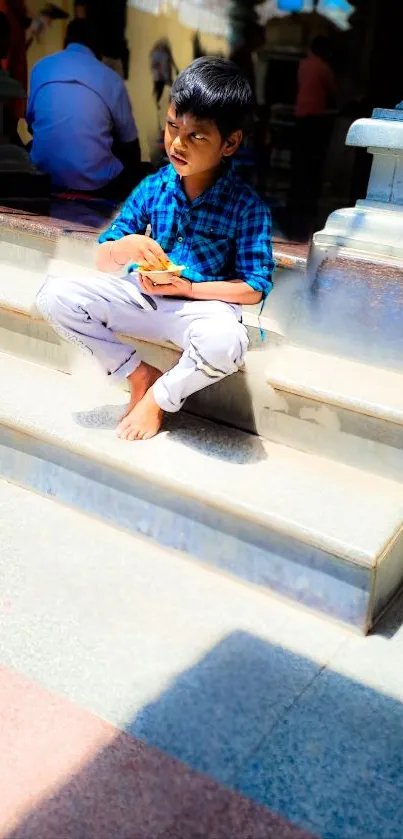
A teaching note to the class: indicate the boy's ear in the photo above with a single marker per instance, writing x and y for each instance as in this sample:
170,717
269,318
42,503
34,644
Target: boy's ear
232,143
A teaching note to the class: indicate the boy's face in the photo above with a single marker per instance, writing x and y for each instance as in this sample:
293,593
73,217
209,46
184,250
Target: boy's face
196,145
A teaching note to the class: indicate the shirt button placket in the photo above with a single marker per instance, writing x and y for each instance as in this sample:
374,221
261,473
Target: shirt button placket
180,235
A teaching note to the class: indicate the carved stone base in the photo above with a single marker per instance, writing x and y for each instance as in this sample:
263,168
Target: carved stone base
370,228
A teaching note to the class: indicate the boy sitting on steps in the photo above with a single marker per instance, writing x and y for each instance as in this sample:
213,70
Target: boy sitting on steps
203,217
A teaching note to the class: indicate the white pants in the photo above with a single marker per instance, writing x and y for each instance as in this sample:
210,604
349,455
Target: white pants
89,312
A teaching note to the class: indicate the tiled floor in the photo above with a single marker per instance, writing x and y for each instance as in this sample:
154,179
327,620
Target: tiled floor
64,772
143,695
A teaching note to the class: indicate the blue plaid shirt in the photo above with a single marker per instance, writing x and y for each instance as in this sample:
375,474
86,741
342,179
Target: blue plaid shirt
225,234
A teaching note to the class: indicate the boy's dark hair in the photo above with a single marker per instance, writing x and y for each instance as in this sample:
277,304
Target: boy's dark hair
81,32
216,89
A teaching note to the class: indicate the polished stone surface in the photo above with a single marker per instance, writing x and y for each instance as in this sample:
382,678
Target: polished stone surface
386,134
334,407
348,307
307,715
360,407
66,773
50,228
252,552
287,254
217,712
290,541
234,470
358,418
290,254
334,763
185,659
337,382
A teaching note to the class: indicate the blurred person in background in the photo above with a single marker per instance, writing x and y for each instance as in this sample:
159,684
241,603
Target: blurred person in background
316,93
23,29
15,61
162,65
80,116
108,20
243,54
5,32
316,81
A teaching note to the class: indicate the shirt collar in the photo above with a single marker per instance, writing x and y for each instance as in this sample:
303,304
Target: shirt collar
80,48
223,182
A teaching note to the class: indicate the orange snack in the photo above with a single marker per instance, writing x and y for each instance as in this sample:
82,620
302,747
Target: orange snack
166,264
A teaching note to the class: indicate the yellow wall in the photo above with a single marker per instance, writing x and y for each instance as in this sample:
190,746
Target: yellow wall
51,39
143,29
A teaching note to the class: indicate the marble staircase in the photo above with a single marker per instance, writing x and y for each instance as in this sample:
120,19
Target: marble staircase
294,462
288,475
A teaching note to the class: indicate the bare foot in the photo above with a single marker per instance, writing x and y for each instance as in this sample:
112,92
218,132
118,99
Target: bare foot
140,382
144,420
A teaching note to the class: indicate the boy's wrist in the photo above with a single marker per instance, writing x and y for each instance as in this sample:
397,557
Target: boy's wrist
112,254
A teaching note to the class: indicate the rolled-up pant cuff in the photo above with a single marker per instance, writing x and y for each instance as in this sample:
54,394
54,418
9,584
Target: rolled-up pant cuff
127,368
162,399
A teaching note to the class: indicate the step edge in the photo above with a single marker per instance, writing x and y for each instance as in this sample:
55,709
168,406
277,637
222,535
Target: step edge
210,569
366,563
251,321
348,403
215,501
278,382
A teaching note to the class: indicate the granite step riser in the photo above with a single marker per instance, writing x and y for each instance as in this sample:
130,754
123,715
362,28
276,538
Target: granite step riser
366,442
30,338
37,252
320,314
322,582
244,400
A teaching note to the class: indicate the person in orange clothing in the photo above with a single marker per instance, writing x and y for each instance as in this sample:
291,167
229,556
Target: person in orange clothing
316,93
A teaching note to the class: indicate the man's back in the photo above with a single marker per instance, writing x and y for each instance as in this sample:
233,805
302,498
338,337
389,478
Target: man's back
77,108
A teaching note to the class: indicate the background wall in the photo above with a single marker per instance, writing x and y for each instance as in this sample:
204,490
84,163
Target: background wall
143,29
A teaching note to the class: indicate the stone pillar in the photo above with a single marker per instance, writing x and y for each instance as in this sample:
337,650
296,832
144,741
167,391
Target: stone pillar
351,299
374,227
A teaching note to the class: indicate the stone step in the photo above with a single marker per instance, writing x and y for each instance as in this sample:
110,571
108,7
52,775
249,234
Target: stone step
336,408
316,402
20,284
23,333
342,306
40,254
304,527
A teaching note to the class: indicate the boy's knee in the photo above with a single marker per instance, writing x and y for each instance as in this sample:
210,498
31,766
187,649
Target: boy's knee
47,297
224,347
52,297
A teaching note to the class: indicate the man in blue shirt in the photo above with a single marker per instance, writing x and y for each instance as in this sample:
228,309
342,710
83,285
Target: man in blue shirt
201,216
79,113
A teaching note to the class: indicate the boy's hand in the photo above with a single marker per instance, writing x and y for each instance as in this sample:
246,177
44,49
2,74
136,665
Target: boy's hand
140,249
177,287
111,256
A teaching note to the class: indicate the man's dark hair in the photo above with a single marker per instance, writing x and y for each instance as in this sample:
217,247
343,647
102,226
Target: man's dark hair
321,46
80,32
214,88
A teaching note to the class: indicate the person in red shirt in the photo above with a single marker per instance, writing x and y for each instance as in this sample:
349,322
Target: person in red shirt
316,81
316,90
